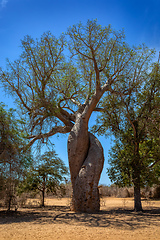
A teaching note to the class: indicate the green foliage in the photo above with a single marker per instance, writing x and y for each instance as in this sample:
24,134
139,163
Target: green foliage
132,116
122,167
100,73
52,88
12,142
46,175
13,160
42,80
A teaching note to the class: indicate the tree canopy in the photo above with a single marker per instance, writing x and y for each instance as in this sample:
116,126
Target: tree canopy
46,175
13,160
12,142
51,88
133,118
59,82
121,157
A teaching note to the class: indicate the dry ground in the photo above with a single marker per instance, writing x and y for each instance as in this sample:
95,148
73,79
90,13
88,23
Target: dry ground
115,221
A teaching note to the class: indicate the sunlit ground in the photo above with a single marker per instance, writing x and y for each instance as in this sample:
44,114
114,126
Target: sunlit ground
115,221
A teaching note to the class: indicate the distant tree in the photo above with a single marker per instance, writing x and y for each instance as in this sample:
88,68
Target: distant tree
13,160
133,119
58,94
47,175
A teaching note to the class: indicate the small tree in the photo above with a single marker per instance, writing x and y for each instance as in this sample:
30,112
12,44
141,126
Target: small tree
46,176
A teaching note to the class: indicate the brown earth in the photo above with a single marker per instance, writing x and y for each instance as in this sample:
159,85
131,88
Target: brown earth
115,221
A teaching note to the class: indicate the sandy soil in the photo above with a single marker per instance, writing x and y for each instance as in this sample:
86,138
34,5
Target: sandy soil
115,221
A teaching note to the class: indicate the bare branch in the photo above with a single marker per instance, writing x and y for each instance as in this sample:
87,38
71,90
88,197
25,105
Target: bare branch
76,102
53,131
83,54
97,109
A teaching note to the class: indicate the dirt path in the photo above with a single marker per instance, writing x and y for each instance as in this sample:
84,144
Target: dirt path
115,221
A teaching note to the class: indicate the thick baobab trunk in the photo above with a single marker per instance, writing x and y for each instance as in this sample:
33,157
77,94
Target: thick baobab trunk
86,163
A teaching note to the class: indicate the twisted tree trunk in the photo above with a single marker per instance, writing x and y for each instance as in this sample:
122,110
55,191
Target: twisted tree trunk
86,161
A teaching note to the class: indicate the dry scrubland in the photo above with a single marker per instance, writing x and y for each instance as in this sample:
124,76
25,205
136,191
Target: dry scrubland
115,221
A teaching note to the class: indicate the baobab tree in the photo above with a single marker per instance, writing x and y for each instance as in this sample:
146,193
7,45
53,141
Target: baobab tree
59,91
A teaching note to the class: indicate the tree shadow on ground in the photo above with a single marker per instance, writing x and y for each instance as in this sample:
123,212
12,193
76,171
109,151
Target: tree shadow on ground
33,214
117,218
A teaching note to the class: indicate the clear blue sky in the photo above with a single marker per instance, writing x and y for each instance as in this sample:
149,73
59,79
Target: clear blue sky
140,20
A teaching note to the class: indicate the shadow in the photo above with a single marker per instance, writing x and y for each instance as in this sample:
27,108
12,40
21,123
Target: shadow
117,218
48,208
34,214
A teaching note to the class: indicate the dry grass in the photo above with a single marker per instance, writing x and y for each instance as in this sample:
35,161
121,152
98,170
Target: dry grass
115,221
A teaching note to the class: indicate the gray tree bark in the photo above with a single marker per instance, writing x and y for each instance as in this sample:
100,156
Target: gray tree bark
86,161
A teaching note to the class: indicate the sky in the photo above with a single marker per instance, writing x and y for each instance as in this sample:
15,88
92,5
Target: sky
140,20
